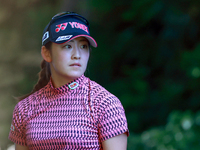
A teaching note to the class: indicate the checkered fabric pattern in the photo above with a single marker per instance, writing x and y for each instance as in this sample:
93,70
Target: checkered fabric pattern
62,118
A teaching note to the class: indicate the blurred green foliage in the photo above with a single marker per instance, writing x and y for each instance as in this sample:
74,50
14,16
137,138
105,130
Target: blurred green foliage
181,132
148,56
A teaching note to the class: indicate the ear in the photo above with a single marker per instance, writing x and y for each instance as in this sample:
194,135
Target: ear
46,54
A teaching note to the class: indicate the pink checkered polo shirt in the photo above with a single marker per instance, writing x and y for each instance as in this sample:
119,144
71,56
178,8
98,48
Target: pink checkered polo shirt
79,115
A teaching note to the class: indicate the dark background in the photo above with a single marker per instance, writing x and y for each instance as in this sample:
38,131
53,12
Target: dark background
148,56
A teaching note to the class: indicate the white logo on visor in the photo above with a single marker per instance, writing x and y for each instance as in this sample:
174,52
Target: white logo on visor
45,36
63,38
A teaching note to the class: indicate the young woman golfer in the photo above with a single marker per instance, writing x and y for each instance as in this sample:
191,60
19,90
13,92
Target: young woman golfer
66,110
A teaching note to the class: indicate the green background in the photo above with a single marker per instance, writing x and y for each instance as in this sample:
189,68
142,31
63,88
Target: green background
148,56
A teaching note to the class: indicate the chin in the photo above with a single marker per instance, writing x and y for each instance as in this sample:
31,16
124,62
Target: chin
74,76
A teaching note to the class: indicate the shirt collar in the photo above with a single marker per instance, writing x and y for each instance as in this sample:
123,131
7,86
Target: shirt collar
70,87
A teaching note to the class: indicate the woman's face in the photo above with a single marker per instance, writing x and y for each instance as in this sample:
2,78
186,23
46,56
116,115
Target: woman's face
69,60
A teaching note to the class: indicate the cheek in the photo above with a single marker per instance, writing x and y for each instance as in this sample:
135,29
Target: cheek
58,61
61,57
87,59
88,55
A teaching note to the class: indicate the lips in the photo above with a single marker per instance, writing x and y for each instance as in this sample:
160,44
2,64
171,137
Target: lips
75,64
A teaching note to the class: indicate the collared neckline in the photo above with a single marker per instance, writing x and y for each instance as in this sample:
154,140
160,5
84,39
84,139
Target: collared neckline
69,87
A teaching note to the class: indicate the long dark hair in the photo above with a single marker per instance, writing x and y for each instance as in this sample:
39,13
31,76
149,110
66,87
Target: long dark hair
43,76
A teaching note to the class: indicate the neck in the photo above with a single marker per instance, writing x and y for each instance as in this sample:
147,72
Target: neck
58,82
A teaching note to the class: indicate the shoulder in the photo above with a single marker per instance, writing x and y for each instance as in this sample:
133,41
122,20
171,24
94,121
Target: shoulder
97,89
109,112
27,103
102,95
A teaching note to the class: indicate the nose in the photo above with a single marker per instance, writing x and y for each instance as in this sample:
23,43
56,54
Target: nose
76,53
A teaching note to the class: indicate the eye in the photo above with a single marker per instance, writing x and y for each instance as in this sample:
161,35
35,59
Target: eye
84,46
67,46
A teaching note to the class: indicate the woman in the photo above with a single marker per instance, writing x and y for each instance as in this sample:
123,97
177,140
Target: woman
66,110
